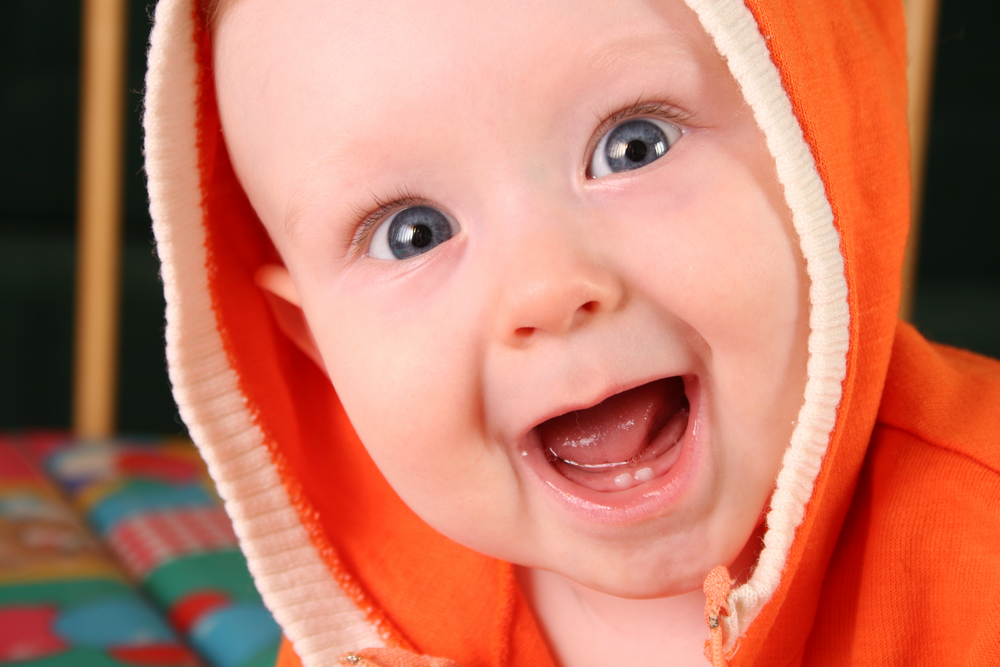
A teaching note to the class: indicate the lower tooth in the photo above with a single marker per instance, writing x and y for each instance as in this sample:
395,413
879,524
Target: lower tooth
629,479
644,474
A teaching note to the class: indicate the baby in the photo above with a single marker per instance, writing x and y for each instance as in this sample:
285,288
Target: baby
587,291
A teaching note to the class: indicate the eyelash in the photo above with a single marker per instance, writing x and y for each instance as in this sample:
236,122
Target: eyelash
663,110
364,223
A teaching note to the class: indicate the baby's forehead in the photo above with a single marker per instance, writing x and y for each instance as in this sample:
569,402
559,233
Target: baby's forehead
347,83
356,48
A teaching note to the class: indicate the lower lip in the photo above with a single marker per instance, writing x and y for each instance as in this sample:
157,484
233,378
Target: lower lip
626,506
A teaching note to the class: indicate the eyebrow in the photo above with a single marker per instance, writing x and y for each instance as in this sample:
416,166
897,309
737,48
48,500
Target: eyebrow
316,173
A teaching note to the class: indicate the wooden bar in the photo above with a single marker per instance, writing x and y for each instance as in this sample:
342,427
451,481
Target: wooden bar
921,39
99,212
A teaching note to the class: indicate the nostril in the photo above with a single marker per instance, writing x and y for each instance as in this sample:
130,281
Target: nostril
591,307
524,332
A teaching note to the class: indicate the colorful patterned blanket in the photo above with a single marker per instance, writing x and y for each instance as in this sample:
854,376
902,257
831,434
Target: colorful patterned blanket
118,553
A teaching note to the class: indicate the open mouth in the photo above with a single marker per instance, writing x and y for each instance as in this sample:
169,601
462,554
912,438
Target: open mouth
626,440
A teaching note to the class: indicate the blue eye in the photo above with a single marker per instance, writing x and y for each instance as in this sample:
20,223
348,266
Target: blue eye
410,232
631,145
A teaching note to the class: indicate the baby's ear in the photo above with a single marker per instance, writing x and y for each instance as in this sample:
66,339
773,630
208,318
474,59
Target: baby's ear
283,298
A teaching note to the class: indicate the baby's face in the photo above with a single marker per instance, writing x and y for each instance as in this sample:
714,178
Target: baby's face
546,262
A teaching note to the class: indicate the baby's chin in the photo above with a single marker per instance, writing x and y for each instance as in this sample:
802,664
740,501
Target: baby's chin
674,564
669,567
652,586
648,581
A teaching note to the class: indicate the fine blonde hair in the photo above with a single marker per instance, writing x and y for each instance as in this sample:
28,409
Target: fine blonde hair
214,9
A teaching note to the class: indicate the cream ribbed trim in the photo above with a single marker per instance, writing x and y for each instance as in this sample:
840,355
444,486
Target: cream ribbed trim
315,613
738,39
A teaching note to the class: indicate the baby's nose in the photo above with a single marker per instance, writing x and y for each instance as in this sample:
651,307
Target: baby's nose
554,289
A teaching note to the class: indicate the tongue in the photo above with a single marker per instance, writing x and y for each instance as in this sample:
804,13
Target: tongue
617,429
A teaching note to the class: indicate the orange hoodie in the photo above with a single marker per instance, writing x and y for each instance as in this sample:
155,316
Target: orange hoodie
882,544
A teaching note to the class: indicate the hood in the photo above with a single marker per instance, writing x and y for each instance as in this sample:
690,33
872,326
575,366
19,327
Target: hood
332,548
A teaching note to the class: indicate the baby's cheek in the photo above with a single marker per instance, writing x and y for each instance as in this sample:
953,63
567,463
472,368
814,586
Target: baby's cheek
402,390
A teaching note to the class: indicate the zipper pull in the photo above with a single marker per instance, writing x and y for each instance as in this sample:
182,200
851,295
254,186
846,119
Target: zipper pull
717,587
391,657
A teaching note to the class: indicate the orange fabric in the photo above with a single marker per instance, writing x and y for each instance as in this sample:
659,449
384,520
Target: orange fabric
287,656
915,577
872,577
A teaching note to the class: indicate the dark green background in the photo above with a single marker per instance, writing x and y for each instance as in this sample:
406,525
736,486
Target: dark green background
958,295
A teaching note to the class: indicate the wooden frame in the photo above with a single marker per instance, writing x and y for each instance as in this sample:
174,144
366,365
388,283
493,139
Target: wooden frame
921,40
99,213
